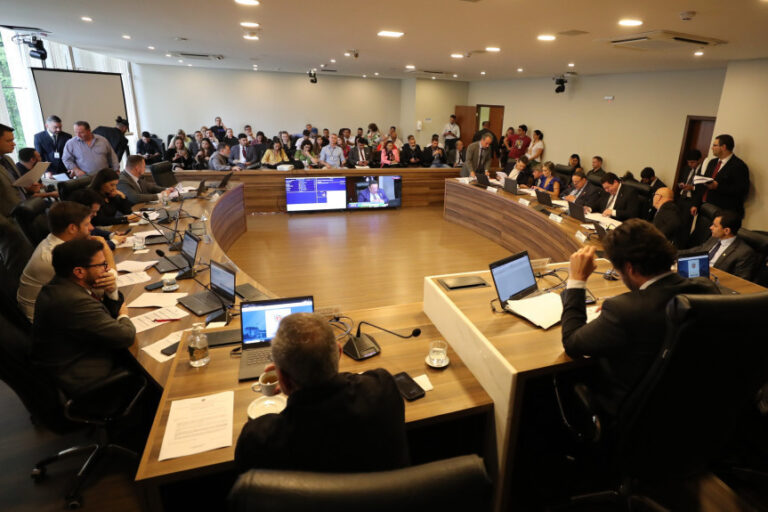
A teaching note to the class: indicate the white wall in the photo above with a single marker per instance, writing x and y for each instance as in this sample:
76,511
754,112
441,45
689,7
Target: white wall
173,97
642,127
435,102
742,114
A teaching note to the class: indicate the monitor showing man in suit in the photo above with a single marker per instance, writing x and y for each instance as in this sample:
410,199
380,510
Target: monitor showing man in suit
374,192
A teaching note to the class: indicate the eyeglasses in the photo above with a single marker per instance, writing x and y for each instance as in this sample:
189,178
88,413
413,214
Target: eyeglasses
104,264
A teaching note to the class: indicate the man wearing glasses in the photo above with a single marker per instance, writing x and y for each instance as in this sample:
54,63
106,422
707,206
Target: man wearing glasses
81,329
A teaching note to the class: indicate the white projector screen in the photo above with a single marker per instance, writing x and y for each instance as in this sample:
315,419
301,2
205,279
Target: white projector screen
80,96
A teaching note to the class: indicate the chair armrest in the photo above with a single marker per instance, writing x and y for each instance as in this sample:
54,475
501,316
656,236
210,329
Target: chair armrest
118,381
590,430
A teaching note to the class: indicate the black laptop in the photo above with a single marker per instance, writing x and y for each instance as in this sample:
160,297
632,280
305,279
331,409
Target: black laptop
258,323
510,186
195,193
483,181
223,183
543,198
222,285
576,211
183,260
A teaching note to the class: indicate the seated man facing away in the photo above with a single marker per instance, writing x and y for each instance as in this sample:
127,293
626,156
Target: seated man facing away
322,405
627,336
219,160
581,191
67,221
667,217
81,327
727,251
133,184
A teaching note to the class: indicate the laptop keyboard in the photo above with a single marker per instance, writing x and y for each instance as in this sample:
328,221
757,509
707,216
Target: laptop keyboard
258,356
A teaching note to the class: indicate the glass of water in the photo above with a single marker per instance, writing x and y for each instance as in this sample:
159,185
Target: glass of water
438,353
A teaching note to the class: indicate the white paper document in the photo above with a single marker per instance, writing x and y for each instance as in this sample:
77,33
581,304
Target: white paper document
543,310
424,382
157,317
592,313
155,349
132,278
602,219
197,425
698,180
156,300
560,203
32,176
134,265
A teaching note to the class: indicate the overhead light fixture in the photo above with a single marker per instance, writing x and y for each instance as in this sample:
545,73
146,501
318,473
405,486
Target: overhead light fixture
249,24
181,61
698,53
150,47
457,55
322,65
347,54
546,37
333,61
410,66
190,65
434,78
455,75
492,49
390,33
482,72
86,19
126,36
247,2
629,22
376,74
251,36
571,64
365,76
168,55
519,70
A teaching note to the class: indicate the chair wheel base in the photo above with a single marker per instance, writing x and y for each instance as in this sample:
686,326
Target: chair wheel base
38,473
74,502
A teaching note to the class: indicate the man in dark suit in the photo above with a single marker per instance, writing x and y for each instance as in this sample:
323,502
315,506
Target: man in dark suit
479,156
730,175
582,192
627,336
727,251
433,155
457,155
648,176
668,218
81,329
410,155
133,184
360,155
617,201
244,155
116,137
486,130
50,144
372,194
149,149
689,196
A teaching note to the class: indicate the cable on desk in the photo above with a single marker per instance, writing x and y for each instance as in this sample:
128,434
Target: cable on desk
345,327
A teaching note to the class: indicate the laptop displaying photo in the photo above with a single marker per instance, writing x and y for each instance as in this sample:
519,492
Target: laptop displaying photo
258,324
513,277
693,265
186,259
576,211
222,285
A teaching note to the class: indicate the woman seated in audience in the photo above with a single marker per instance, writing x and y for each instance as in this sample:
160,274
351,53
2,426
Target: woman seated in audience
179,156
115,208
390,156
306,156
548,182
230,138
373,136
202,156
260,142
506,147
183,135
536,148
320,143
275,156
286,140
344,145
575,162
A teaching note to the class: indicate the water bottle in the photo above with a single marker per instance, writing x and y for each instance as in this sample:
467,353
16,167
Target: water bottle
198,347
204,220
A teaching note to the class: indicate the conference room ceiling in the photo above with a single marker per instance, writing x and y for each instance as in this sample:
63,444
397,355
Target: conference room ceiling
296,36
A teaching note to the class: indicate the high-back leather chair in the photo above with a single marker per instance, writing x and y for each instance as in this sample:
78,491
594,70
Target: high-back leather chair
565,173
162,173
758,241
459,483
31,218
66,188
15,251
701,233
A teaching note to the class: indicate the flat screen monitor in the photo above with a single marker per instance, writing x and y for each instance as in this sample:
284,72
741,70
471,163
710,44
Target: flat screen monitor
693,265
374,192
315,194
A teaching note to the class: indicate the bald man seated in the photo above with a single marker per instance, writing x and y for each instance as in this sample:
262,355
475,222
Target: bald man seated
668,218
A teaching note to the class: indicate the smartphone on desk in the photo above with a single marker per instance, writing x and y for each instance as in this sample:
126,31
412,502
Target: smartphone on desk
408,387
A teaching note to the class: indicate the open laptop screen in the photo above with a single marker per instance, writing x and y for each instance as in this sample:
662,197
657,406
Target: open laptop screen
693,265
189,247
222,281
259,320
513,277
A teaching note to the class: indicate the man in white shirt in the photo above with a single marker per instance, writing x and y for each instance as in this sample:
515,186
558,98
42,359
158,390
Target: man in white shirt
332,156
68,221
451,133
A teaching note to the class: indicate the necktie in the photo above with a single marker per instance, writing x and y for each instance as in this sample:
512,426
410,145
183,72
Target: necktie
713,251
481,159
714,175
611,202
577,192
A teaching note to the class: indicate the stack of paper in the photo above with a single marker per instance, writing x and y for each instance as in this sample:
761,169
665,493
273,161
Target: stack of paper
156,300
197,425
603,220
132,278
155,349
560,203
698,180
543,310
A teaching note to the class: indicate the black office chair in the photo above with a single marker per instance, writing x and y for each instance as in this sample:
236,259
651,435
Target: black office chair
31,218
643,192
595,180
15,251
459,483
759,243
565,173
162,173
680,419
701,233
66,188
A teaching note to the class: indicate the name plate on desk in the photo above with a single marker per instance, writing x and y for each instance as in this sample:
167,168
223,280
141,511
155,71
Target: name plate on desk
492,189
581,237
524,201
556,218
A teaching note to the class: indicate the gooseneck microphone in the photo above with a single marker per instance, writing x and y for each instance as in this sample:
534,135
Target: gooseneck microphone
160,229
362,346
414,333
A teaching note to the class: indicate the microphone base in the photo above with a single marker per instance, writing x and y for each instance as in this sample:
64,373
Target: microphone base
176,246
361,347
219,316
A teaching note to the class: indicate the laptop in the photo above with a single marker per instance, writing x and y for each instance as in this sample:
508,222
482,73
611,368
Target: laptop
693,265
186,259
513,277
258,323
222,285
543,198
511,187
195,193
576,211
221,184
600,230
483,181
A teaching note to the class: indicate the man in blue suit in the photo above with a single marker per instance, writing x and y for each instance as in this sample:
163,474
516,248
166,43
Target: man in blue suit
50,144
372,194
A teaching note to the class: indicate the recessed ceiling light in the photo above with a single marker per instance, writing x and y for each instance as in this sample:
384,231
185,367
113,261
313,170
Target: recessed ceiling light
168,55
571,64
190,65
347,54
410,66
247,2
86,19
376,74
482,72
629,22
493,49
126,36
390,33
251,36
455,75
181,61
457,56
333,61
322,65
365,76
546,37
433,78
249,24
519,70
150,47
698,53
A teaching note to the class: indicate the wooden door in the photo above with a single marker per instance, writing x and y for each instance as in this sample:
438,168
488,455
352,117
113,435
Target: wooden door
496,119
466,118
698,134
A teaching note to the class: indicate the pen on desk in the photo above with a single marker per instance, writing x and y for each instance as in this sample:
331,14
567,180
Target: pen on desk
167,319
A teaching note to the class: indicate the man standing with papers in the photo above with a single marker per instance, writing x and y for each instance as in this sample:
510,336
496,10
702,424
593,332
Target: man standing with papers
628,334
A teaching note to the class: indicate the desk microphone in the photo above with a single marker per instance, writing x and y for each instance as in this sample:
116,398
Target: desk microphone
160,229
190,274
362,346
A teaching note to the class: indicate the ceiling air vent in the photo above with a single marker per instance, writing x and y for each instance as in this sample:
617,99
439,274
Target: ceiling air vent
664,40
197,56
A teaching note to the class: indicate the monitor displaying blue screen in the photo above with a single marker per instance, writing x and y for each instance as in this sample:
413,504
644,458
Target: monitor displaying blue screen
374,192
259,320
694,265
315,193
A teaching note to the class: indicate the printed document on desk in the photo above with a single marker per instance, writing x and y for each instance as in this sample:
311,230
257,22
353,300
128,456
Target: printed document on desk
156,300
603,220
197,425
134,266
543,310
132,278
147,320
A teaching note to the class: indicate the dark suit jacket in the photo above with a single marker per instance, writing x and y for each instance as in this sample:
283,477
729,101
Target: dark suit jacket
354,156
44,146
148,148
116,139
590,195
407,153
739,259
428,156
113,212
297,438
452,157
627,335
627,204
364,196
669,220
141,192
250,155
10,196
77,337
732,185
